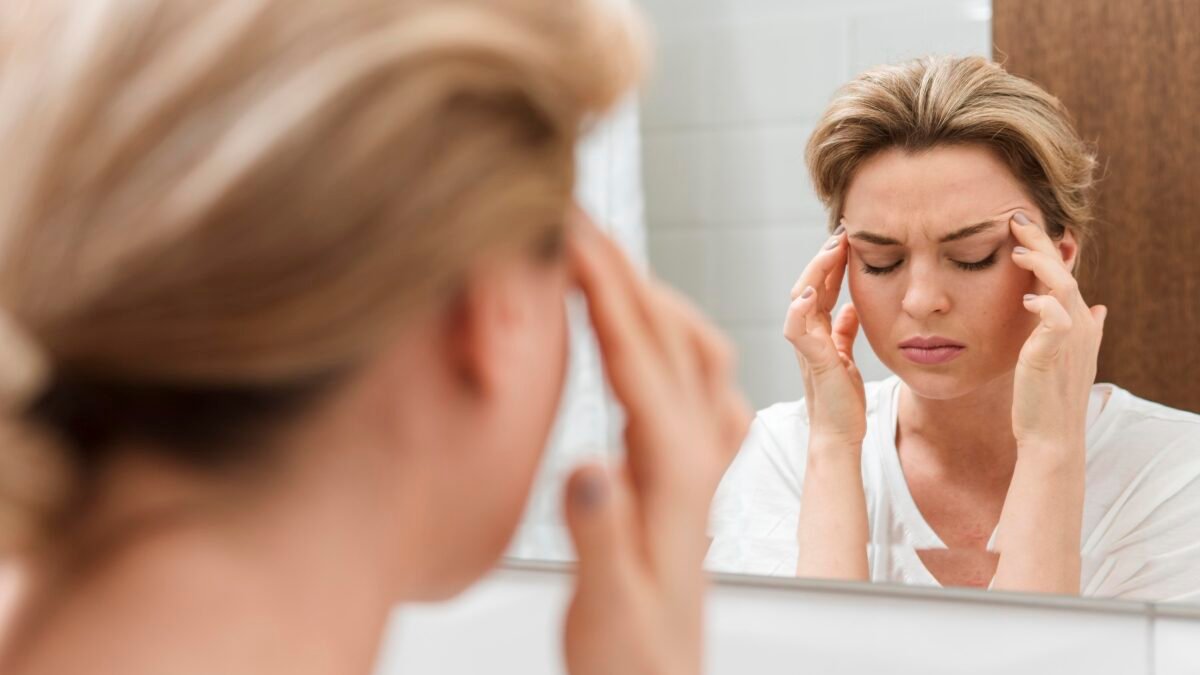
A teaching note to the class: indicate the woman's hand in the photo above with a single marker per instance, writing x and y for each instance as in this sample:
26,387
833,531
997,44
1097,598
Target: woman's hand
832,530
640,532
1038,537
833,387
1057,366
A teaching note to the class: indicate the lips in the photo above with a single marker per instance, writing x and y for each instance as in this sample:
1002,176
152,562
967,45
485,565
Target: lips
931,350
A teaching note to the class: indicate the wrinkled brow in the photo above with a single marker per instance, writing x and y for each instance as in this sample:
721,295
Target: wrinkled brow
963,233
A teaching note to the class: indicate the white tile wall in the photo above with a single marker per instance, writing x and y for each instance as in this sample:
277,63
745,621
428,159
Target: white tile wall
737,88
717,68
733,176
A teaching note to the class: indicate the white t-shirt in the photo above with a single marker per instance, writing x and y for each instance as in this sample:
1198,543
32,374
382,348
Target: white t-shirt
1141,516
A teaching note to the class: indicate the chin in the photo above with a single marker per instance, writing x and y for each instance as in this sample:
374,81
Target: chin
941,383
467,568
451,587
470,539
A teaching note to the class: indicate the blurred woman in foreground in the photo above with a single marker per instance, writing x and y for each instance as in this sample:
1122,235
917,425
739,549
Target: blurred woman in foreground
283,333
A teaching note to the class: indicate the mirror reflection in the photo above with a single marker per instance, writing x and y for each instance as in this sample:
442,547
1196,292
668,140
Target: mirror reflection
932,230
991,382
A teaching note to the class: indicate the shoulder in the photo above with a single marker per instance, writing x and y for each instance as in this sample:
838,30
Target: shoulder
778,438
1133,423
1145,460
1142,516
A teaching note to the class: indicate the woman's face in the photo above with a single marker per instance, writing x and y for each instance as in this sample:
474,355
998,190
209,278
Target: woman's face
930,266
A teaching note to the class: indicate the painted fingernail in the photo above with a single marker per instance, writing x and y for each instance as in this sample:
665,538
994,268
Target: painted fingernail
1020,250
1030,297
590,491
840,229
833,243
807,293
1021,218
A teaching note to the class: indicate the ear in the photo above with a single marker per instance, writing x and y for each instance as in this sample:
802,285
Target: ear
482,328
1068,247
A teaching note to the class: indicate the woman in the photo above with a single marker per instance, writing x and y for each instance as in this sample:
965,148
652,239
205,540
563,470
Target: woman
283,333
962,200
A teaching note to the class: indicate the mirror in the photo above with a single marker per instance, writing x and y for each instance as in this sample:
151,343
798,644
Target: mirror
732,219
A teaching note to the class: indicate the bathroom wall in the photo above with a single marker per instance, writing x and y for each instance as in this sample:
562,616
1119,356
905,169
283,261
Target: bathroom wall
1129,72
737,88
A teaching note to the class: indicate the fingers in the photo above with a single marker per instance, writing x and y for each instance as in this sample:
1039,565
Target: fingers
619,323
824,272
833,281
795,324
806,324
1049,338
599,516
799,326
1038,254
1053,315
845,331
641,325
808,335
679,330
645,349
716,360
657,348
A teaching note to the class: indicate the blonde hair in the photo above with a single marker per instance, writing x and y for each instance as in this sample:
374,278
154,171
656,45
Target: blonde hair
935,101
210,209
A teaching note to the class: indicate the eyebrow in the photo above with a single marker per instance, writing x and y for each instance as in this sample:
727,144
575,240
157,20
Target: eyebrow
968,231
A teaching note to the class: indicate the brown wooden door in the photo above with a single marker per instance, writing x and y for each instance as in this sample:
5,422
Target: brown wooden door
1129,72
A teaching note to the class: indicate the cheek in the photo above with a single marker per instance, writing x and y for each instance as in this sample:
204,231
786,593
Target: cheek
557,335
547,361
878,301
995,307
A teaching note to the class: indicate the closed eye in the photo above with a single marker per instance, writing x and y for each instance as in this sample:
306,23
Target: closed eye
979,264
966,266
870,269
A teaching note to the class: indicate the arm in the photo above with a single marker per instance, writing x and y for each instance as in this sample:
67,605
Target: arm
1038,535
833,531
639,531
1039,532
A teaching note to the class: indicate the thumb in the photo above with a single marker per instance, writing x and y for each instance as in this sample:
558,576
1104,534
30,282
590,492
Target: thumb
809,338
598,512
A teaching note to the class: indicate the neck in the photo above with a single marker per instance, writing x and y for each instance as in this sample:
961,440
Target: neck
295,554
969,435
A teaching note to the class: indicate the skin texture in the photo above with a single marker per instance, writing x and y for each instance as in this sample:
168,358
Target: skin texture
406,484
988,438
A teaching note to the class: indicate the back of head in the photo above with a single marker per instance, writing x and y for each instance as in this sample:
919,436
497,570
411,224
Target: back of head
212,209
932,101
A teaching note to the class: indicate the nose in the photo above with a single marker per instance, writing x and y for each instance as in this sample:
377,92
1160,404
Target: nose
926,294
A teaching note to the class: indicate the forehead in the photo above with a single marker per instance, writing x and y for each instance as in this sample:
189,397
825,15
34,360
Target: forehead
899,193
